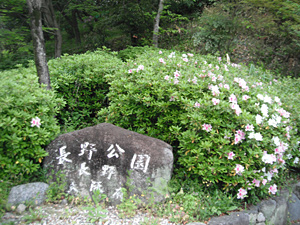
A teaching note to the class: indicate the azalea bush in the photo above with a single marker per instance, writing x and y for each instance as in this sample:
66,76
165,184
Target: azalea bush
226,126
79,80
27,122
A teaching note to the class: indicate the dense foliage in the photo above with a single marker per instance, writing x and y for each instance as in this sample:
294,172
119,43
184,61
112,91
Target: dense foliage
258,31
27,122
79,80
227,127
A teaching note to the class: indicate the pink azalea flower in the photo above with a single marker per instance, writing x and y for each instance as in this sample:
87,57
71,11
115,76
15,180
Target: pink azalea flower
197,105
249,127
226,86
162,60
239,169
176,74
190,54
167,77
237,138
245,97
241,133
232,98
256,182
213,79
140,67
230,155
264,181
206,127
160,52
215,101
242,193
130,71
185,59
194,80
36,122
273,189
176,81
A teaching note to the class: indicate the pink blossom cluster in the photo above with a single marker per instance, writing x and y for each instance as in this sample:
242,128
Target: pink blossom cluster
197,105
140,67
215,89
36,122
215,101
241,194
239,169
283,113
239,136
161,60
230,155
206,127
273,189
242,83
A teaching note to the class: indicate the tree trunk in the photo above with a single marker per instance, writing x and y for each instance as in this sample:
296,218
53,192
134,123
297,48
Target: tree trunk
49,15
34,7
156,23
75,27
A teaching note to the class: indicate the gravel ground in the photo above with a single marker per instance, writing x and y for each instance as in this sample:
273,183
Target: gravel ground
56,214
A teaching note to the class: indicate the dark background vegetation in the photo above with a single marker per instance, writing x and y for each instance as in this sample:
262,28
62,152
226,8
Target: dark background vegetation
263,32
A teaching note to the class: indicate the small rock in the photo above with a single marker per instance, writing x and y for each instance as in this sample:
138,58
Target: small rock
267,207
293,208
21,208
196,223
235,218
260,217
64,202
32,193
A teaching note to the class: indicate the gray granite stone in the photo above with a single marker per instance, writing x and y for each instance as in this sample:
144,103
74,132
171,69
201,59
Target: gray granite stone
236,218
294,208
31,193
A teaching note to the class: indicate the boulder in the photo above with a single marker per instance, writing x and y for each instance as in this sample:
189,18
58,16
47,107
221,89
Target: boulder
31,193
235,218
108,158
294,208
267,207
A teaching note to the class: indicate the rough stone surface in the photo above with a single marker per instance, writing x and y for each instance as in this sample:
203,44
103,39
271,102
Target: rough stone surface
260,217
252,216
33,193
21,208
236,218
196,223
280,212
267,207
294,208
104,157
297,190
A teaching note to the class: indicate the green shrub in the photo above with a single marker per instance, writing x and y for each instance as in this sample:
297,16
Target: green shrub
214,129
217,32
21,142
130,53
79,79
